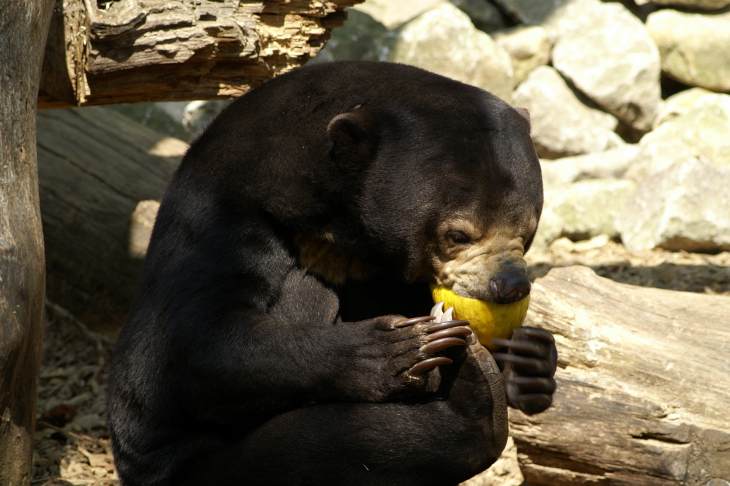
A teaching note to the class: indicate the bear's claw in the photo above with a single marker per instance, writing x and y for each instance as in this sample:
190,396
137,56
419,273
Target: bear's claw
423,367
443,333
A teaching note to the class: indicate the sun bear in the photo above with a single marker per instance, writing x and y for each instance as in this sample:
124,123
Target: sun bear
281,333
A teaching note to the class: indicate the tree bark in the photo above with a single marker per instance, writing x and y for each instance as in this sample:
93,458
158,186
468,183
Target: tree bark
24,25
97,168
154,50
643,385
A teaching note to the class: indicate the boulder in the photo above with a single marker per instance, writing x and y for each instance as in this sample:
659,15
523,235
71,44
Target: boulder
529,47
612,163
161,117
445,41
549,229
693,4
700,133
360,38
589,208
571,15
693,47
531,11
184,120
200,113
621,77
483,14
688,100
685,207
393,14
561,124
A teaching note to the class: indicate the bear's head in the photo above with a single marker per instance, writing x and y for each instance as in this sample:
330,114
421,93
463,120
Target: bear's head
449,189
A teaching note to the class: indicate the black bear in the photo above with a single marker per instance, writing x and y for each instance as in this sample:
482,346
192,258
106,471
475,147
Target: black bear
273,340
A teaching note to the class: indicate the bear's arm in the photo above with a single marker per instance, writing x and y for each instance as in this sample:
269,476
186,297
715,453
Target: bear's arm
259,363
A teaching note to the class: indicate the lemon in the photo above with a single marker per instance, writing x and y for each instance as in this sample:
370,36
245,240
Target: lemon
487,320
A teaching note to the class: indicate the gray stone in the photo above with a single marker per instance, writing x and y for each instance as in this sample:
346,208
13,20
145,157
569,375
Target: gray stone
531,11
561,124
444,40
549,229
529,47
685,207
483,14
600,165
701,133
394,13
160,117
689,100
360,38
571,15
694,48
199,114
698,4
589,208
620,75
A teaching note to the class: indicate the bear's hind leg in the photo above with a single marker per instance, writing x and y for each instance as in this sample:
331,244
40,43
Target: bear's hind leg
439,442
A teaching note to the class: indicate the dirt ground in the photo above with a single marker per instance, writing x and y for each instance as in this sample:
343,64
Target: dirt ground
72,442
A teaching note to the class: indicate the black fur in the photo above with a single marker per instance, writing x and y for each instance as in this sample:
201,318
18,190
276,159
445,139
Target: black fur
237,366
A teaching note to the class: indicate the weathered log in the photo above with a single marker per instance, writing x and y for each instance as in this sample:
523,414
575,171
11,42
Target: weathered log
151,50
644,385
95,167
23,28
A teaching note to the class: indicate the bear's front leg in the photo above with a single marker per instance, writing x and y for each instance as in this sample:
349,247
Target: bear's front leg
528,360
390,357
252,366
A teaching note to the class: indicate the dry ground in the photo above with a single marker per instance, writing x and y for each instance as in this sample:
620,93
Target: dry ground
72,441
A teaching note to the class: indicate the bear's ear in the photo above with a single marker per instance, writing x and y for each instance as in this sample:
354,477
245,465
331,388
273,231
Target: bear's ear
350,133
524,113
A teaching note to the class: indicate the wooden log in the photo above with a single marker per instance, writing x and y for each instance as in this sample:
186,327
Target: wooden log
24,25
644,386
152,50
95,168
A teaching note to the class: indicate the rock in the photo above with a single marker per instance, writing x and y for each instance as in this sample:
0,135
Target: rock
549,229
688,100
444,40
531,11
685,207
198,115
561,124
695,4
160,117
612,163
572,15
693,47
701,133
589,208
360,38
141,223
393,14
529,47
622,77
483,14
184,120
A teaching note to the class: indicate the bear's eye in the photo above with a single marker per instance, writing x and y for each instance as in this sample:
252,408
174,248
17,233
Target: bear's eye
457,237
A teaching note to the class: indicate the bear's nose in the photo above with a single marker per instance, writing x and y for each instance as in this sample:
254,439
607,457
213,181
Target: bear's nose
508,287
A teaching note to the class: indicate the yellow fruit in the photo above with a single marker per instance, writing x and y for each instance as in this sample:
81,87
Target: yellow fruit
487,320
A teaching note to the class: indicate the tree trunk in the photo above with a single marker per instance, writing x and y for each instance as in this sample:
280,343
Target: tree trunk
24,25
644,385
153,50
96,167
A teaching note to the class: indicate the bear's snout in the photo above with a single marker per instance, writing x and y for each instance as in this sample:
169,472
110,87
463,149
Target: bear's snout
509,286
